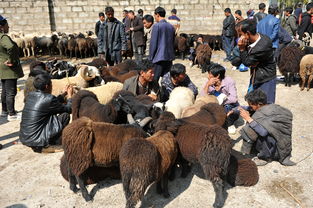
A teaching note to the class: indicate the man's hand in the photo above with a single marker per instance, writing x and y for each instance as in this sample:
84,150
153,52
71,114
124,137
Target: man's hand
212,81
8,63
123,52
153,97
245,115
131,29
229,113
242,43
69,91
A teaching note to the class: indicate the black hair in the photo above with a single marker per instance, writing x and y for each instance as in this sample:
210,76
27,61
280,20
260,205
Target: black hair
140,11
37,65
217,70
256,97
177,69
3,22
299,5
272,11
109,9
289,10
131,11
309,6
126,11
248,26
160,11
238,12
227,10
101,14
145,65
149,18
41,81
174,11
262,6
200,36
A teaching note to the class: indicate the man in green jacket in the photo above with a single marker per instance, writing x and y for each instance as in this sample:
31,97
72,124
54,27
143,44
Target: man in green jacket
10,71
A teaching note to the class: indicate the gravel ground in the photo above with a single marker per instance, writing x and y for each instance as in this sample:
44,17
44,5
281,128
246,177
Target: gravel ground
32,180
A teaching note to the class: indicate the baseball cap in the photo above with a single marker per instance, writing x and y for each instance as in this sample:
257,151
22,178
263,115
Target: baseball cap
2,18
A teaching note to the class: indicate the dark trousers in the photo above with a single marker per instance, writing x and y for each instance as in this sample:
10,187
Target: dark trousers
269,88
228,45
110,60
230,120
138,51
9,91
161,68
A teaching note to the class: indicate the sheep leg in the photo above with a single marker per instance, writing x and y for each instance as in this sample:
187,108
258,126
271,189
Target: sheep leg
83,189
186,168
287,79
303,77
220,193
164,181
309,81
72,181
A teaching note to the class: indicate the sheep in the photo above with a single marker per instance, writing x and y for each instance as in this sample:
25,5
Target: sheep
181,45
306,70
203,56
106,92
97,62
144,161
180,98
20,42
72,45
288,63
199,102
82,45
62,45
108,73
129,52
208,146
92,175
45,43
87,143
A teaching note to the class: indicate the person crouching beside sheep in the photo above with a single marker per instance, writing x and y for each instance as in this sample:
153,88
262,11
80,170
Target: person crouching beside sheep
269,129
143,84
41,126
224,88
177,77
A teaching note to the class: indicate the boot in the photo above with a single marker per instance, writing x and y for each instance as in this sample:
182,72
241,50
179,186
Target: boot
246,147
288,162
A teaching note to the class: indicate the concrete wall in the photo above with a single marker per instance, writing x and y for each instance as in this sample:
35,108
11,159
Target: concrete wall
197,16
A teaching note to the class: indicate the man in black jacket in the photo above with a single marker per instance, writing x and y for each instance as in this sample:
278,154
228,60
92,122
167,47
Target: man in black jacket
41,125
261,14
306,22
101,20
257,53
228,33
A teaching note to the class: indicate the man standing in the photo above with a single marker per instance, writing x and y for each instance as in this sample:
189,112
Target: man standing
148,25
174,20
111,38
161,51
238,16
256,52
125,16
290,24
140,14
101,20
306,21
270,25
298,11
228,33
136,34
261,14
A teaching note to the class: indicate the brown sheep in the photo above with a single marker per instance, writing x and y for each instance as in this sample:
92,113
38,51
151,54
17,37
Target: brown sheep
208,146
144,161
87,143
82,45
203,56
93,174
105,73
289,63
199,102
306,70
72,46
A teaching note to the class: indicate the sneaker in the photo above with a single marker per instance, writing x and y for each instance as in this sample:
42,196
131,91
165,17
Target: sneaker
232,129
259,162
234,68
4,114
15,117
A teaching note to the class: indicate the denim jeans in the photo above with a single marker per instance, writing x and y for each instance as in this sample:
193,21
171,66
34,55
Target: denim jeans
228,45
9,91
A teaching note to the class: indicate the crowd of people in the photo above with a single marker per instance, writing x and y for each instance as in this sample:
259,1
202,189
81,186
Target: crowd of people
253,42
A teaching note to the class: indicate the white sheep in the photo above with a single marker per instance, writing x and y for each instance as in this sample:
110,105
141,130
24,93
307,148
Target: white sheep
106,92
180,98
200,101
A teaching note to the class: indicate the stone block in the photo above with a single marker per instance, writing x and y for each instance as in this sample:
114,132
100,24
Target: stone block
124,3
66,20
77,9
88,8
39,3
20,10
66,9
9,10
164,2
1,10
15,4
144,2
180,7
83,14
4,4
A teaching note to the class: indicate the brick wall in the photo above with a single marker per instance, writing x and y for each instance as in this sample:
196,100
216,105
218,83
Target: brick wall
197,16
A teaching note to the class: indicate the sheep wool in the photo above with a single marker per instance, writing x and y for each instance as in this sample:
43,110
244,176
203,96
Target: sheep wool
106,92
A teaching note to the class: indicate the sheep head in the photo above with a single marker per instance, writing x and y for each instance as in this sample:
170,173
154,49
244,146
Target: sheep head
86,73
167,121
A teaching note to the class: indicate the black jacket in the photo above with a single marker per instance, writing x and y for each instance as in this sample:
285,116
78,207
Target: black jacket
261,61
97,28
259,16
39,118
305,25
138,32
229,26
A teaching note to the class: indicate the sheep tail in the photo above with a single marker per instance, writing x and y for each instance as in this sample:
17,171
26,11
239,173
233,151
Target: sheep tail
77,140
77,99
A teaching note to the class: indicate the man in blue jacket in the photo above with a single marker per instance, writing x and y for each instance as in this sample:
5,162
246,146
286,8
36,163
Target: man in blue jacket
269,25
161,51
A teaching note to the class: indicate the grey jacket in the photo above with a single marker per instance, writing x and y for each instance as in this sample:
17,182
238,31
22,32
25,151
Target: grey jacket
290,25
118,40
131,85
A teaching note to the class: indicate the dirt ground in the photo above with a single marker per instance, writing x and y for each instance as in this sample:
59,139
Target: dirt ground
32,180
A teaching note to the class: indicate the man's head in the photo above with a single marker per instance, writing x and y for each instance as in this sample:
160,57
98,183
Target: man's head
200,39
101,16
238,14
256,99
273,9
109,12
309,8
140,12
216,71
227,12
288,11
146,70
125,12
148,21
262,7
159,13
131,14
178,73
174,12
42,82
299,5
248,28
4,26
